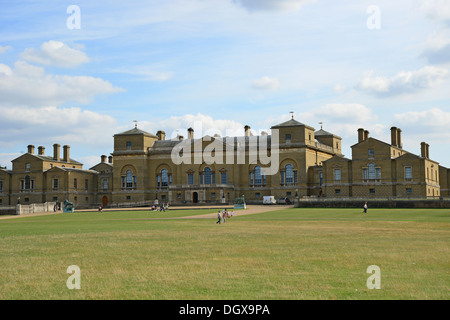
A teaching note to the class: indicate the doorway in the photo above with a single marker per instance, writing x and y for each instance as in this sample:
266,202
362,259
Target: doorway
195,197
104,201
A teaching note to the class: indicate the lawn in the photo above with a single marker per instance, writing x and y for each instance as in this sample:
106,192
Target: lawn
290,254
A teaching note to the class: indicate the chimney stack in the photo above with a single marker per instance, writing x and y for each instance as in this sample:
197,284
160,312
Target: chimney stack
394,140
31,149
247,131
161,135
366,134
41,150
103,158
360,135
399,138
428,151
110,159
423,149
190,133
66,153
56,152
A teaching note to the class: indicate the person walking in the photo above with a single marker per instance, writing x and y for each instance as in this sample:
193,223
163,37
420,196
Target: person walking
365,207
224,216
218,217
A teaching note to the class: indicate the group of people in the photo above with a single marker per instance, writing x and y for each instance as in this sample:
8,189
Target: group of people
162,207
223,215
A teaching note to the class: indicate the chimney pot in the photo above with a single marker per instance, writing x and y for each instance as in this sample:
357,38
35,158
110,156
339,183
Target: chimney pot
161,135
66,154
394,136
110,159
41,150
31,149
366,134
360,135
399,137
190,133
103,158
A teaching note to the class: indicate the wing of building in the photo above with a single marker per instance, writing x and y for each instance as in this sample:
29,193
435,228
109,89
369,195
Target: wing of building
145,168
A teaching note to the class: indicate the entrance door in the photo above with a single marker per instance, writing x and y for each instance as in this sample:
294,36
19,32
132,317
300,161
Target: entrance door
195,197
104,201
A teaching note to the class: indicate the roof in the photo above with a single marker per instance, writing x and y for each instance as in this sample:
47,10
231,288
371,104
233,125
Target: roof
289,123
323,133
47,158
136,131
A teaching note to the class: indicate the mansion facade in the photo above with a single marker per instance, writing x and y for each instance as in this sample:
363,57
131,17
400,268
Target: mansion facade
309,163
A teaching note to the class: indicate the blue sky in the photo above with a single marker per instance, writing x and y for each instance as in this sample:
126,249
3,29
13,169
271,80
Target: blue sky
225,64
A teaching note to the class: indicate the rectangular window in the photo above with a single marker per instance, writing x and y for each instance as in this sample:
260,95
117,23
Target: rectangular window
257,195
105,184
371,153
372,191
86,184
408,190
337,174
213,194
288,137
408,173
190,178
55,184
288,194
337,191
27,167
282,177
75,184
128,197
1,186
128,145
378,173
223,178
178,195
365,174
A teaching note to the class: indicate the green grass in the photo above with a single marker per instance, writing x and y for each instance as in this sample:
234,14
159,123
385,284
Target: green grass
286,254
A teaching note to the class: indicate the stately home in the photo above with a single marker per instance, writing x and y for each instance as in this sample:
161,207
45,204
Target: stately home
145,168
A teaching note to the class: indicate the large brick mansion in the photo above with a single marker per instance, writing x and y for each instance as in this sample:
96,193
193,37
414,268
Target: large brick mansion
308,163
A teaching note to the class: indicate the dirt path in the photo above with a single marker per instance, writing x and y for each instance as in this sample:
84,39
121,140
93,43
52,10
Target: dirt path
251,209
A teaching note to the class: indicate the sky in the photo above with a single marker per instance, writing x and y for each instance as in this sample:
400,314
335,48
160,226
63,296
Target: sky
77,72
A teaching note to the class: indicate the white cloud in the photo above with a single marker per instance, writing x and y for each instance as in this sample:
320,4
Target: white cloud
436,9
339,88
437,47
55,53
403,82
266,83
30,85
146,73
3,49
286,5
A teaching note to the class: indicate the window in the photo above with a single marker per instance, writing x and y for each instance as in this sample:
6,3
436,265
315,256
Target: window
337,191
190,178
129,180
86,184
288,137
371,153
408,173
371,171
164,178
75,184
378,173
372,191
289,174
320,178
1,186
408,190
207,175
128,145
213,194
27,183
178,195
128,197
337,174
365,174
257,195
27,167
288,194
223,178
105,184
258,177
55,184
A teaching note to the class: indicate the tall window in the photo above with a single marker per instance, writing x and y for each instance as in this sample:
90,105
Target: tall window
289,174
105,184
190,178
258,177
1,186
408,173
337,174
86,184
55,184
288,137
75,184
223,178
27,167
164,178
365,174
320,178
128,145
129,180
371,171
208,176
371,153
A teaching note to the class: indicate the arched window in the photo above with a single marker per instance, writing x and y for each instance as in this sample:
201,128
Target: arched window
289,174
207,175
128,180
258,177
164,178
